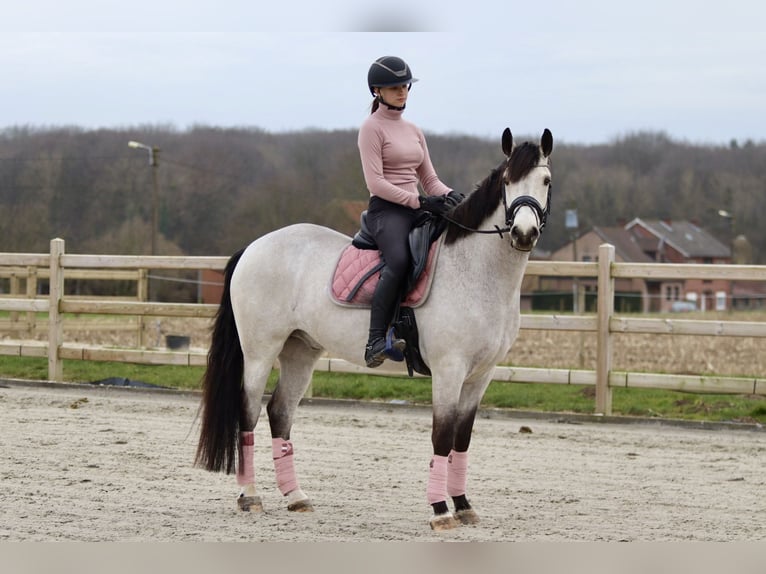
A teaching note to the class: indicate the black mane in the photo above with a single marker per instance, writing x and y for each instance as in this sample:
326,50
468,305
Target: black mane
487,196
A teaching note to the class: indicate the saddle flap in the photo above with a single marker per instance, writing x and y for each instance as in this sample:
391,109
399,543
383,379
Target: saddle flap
420,239
406,327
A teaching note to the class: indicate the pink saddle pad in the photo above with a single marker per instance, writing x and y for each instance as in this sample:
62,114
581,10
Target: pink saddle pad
355,277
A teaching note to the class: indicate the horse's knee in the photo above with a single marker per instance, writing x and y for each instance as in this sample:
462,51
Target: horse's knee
443,431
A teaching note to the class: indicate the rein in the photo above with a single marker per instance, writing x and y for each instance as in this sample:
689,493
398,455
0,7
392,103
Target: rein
510,212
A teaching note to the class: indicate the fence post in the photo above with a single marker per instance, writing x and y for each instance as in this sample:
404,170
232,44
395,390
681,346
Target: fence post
14,290
142,294
605,312
31,293
55,326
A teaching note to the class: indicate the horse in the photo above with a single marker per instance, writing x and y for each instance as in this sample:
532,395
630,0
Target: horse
275,305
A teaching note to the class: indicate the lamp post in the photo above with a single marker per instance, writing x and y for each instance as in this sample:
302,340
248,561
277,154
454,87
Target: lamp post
154,153
729,217
571,224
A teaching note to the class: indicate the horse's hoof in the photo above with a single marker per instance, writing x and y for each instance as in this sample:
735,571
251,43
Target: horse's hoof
301,506
250,503
467,516
443,522
297,501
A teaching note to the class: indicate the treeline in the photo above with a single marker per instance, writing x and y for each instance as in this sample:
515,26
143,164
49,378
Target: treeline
221,188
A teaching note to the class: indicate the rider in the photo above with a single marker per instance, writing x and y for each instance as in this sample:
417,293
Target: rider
394,160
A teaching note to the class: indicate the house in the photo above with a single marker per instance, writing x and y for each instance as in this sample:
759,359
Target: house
210,286
632,293
649,241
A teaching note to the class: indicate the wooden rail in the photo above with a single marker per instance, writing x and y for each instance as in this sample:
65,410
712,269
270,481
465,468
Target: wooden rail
32,275
57,265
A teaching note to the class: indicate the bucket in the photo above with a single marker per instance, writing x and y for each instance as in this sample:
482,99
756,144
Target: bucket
177,342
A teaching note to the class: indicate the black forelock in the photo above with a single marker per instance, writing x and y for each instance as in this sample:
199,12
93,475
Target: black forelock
522,160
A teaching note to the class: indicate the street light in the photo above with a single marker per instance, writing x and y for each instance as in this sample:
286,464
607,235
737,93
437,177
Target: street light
729,217
154,162
572,225
724,213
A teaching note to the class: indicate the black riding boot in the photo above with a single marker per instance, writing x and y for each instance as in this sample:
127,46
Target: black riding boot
383,306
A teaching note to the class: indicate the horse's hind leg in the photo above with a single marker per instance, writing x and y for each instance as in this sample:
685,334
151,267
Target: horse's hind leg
296,364
255,376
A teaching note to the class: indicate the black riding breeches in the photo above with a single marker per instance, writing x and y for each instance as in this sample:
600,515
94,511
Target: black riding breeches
390,225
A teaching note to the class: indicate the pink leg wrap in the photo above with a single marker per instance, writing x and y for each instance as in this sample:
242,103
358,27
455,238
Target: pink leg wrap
245,471
282,452
457,473
437,480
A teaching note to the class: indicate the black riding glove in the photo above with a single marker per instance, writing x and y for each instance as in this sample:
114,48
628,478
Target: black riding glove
454,198
436,204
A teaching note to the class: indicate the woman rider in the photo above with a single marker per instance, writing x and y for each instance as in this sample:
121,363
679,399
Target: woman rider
394,160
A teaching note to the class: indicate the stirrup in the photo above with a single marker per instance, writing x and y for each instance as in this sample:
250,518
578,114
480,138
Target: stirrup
381,349
394,346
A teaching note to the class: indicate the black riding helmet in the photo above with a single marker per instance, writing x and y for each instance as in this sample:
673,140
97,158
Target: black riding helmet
389,71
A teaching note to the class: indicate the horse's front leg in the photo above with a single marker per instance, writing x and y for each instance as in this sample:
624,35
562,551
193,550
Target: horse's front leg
442,438
457,471
448,473
457,468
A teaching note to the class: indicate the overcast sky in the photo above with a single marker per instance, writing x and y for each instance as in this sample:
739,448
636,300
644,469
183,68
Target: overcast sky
591,71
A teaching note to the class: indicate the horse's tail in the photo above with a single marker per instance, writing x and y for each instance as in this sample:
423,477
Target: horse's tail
222,400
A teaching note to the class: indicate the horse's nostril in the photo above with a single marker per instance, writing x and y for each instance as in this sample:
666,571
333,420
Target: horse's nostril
524,239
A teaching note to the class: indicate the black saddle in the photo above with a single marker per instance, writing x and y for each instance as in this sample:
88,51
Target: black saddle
424,232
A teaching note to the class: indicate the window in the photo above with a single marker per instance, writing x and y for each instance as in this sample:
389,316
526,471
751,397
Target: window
672,292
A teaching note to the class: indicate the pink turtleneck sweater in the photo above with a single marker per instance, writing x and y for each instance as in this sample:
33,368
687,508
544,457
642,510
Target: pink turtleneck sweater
395,158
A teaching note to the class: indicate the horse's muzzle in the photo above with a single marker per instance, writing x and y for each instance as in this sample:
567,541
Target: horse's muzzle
524,240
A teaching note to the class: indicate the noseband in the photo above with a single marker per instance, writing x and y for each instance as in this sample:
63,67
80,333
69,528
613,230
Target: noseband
526,201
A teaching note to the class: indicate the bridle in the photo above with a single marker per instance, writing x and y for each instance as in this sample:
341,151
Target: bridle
512,210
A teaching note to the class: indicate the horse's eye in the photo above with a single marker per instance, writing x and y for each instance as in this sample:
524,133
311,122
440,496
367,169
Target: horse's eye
547,181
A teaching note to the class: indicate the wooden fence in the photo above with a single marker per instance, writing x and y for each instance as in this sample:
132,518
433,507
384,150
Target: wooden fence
33,279
604,324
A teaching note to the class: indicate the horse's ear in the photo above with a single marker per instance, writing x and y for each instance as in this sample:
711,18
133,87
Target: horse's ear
507,142
546,142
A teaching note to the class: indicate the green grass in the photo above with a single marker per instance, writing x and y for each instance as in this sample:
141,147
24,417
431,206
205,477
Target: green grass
534,397
174,376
